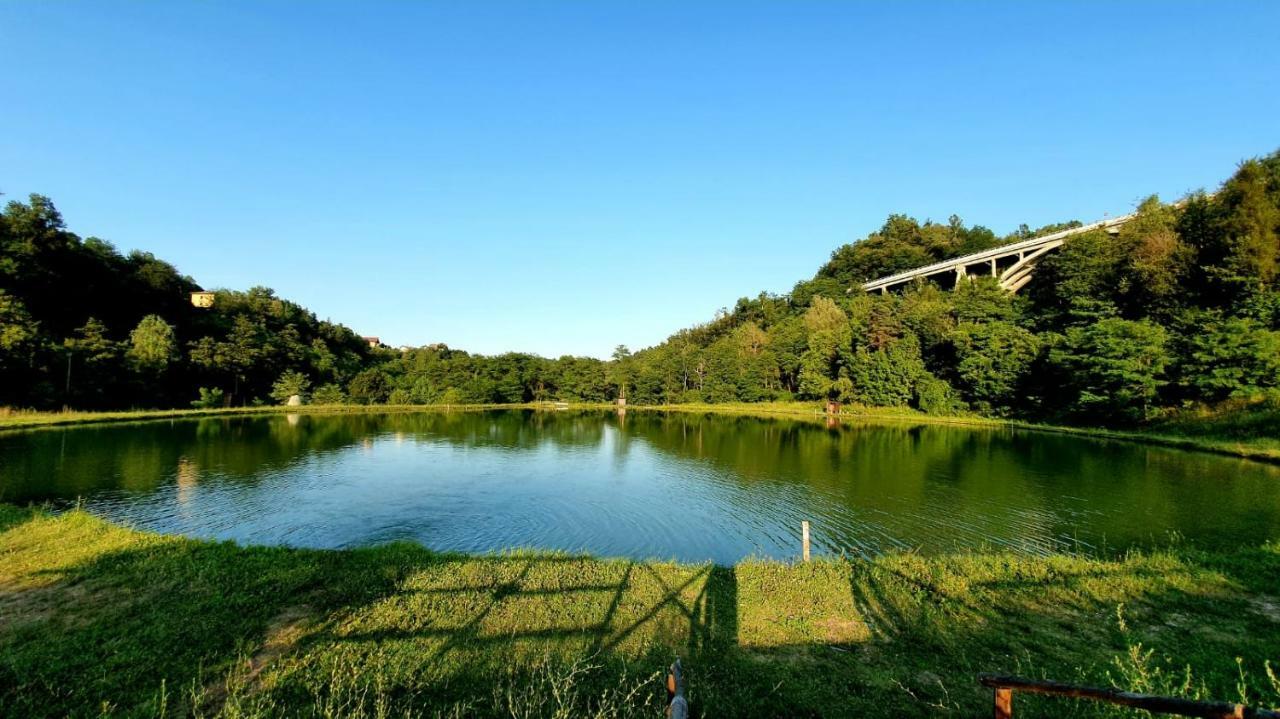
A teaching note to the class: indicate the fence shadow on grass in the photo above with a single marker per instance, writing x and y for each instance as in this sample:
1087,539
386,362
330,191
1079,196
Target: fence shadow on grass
140,624
154,622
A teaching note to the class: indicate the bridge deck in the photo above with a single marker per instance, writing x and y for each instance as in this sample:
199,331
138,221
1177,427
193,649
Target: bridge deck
1021,249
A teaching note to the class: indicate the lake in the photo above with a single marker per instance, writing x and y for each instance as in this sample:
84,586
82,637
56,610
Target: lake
643,485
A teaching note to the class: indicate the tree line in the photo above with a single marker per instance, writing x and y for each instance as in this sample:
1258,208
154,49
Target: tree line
83,326
1181,307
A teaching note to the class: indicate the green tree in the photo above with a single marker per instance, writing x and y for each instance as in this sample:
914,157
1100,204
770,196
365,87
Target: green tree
209,398
926,312
289,384
824,315
887,377
451,396
369,387
620,369
992,362
152,345
19,333
824,371
234,356
92,364
724,370
981,299
1251,225
1115,369
1230,358
1156,261
328,394
1078,284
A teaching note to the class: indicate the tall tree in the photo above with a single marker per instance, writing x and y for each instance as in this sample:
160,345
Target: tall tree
152,345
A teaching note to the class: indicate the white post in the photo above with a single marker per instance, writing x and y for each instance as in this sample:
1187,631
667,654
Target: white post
804,538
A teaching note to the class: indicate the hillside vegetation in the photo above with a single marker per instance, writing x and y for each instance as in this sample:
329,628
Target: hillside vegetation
1177,317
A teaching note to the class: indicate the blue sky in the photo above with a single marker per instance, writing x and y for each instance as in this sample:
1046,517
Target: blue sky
563,177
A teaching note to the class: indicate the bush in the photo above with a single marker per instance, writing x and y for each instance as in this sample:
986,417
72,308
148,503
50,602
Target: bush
935,396
453,395
210,398
328,394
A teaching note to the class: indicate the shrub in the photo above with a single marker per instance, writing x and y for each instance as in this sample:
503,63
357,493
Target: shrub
209,398
453,395
328,394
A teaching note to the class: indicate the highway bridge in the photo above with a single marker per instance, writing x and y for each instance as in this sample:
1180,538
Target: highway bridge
1011,264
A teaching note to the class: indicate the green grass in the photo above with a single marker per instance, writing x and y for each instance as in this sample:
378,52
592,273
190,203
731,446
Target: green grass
13,419
1255,421
1244,428
1241,428
97,619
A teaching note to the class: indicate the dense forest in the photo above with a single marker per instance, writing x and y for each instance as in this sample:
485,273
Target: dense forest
1181,307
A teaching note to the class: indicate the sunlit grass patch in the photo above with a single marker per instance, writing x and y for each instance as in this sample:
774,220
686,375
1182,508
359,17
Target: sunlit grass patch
96,616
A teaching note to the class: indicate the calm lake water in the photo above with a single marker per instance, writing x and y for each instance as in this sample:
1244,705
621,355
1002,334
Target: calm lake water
645,485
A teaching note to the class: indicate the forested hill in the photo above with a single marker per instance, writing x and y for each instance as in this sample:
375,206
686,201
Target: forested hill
1182,307
83,326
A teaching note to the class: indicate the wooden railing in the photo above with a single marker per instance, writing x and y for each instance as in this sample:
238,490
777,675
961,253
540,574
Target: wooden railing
1004,687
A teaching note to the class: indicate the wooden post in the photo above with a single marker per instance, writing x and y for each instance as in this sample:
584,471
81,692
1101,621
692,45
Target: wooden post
804,538
1004,703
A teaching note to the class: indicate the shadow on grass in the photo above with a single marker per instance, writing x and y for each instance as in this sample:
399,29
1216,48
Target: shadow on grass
11,516
151,623
96,617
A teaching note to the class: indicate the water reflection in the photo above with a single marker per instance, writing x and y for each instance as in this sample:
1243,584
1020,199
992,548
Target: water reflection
641,484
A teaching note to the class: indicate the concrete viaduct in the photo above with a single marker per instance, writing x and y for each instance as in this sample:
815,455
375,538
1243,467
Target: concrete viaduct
1011,264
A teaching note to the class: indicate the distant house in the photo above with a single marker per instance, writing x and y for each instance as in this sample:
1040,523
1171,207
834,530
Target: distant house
374,342
203,300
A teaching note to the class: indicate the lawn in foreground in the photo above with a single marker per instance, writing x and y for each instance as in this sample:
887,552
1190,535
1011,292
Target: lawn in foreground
98,619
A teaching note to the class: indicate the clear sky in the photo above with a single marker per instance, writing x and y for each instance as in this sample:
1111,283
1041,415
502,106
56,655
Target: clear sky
563,177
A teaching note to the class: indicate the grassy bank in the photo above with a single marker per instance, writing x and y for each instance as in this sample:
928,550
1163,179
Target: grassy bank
99,619
1249,429
27,419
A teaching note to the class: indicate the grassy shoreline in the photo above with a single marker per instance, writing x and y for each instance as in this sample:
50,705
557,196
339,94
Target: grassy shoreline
100,619
1262,449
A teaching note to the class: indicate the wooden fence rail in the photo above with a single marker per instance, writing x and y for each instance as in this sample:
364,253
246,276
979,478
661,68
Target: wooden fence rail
1004,687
